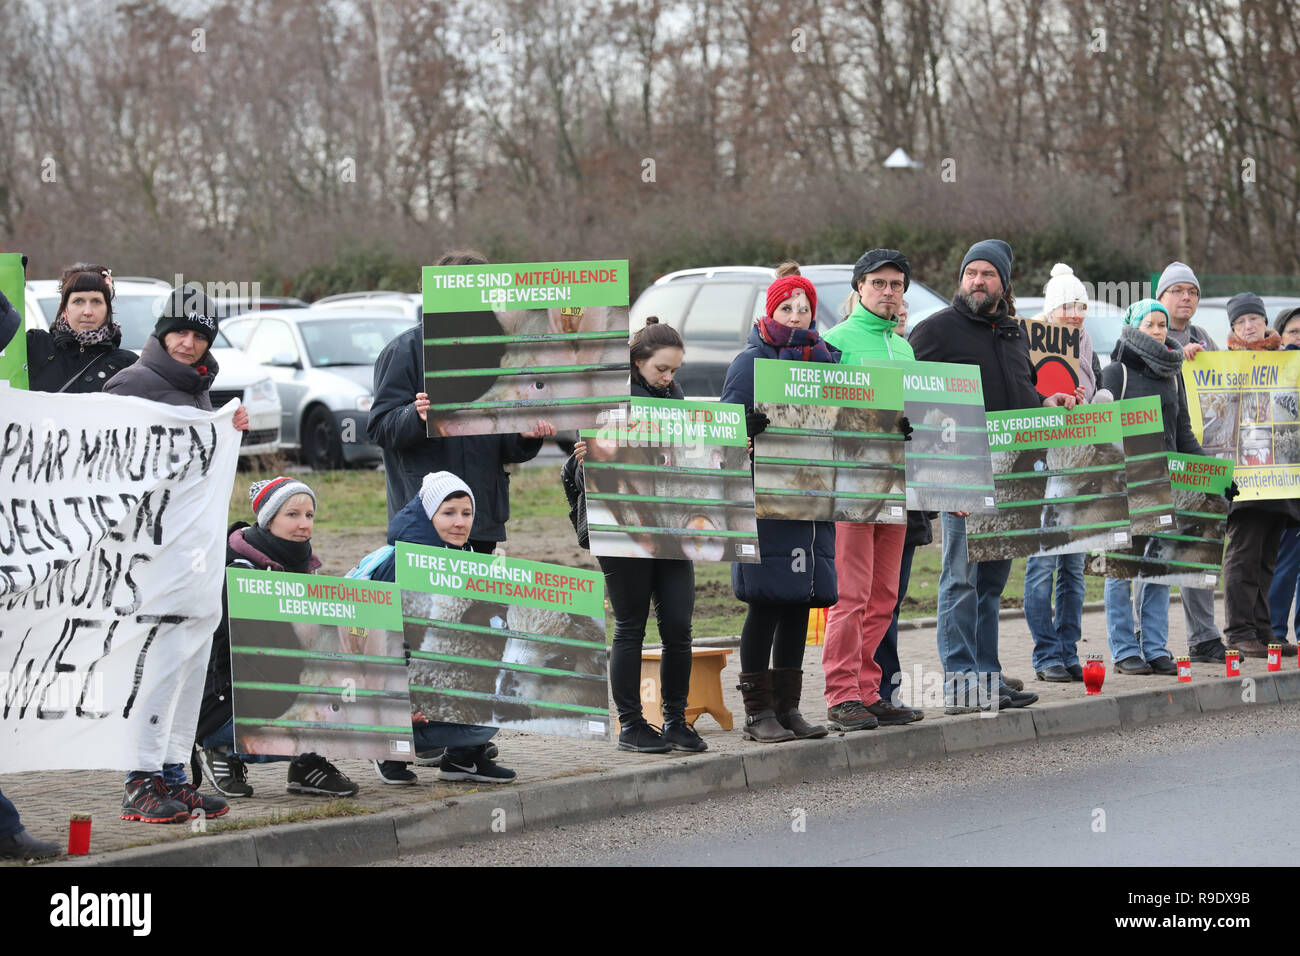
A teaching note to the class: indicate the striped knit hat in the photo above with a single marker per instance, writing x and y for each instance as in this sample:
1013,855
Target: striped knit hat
437,487
269,496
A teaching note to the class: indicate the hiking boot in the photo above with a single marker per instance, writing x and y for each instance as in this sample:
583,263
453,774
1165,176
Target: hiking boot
312,773
395,772
887,715
1207,652
682,736
640,737
787,687
198,804
477,768
760,716
148,801
851,715
23,846
1251,647
225,773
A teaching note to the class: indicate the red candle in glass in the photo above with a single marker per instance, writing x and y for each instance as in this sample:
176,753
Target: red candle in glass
1094,674
1232,663
1184,669
79,834
1275,657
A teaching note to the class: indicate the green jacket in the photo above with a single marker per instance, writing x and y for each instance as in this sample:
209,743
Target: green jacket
866,337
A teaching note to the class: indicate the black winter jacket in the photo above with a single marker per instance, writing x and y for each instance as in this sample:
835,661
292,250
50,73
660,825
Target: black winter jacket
409,454
994,342
55,359
1140,382
160,378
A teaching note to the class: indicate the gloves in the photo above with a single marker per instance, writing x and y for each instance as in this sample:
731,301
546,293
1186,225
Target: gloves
756,423
905,427
1231,491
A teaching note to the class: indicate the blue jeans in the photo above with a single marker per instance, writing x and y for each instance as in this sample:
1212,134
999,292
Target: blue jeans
970,594
1283,592
1056,640
9,822
224,739
173,775
1153,601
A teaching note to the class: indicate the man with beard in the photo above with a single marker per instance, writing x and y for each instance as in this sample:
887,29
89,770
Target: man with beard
979,328
1180,293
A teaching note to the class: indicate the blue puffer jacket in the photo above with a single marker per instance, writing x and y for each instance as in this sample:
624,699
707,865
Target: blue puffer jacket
413,526
798,557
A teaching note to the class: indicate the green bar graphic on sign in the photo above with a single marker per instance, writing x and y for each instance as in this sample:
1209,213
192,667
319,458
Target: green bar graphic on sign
1140,416
820,383
654,421
1054,427
525,285
281,596
943,382
1199,473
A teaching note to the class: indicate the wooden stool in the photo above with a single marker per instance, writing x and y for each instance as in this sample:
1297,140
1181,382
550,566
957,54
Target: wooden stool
705,694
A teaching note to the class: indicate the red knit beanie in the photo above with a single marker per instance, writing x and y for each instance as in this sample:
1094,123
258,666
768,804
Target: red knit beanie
784,287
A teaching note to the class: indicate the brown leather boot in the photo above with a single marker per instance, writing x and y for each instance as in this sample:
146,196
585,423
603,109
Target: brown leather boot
787,686
1251,647
760,719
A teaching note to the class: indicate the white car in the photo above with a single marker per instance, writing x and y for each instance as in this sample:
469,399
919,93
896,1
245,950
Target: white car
134,301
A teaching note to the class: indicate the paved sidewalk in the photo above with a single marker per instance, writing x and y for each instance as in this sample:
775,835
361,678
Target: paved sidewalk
46,799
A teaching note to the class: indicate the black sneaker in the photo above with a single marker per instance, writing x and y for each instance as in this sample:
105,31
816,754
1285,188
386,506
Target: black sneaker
225,772
851,715
433,758
395,772
149,802
479,769
1207,652
682,736
312,773
199,805
643,738
1014,698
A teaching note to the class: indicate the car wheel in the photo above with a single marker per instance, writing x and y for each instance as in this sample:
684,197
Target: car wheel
322,445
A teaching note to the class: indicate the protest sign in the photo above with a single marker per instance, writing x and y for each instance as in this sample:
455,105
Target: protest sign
1191,553
318,666
1243,406
1060,483
832,450
1146,467
1054,354
13,339
508,345
948,463
503,642
671,480
112,552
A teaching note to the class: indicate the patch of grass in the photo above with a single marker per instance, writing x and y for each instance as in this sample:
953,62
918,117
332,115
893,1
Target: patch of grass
346,500
326,811
536,492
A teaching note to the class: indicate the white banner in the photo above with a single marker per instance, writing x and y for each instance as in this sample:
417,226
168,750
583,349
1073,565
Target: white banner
112,556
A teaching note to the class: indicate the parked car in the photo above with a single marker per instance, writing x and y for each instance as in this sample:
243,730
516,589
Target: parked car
136,302
713,309
238,305
322,359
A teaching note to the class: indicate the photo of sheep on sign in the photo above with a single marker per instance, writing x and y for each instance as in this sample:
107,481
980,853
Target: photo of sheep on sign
318,666
1054,354
503,642
833,448
506,346
671,480
1243,406
1060,483
1190,553
948,463
1146,465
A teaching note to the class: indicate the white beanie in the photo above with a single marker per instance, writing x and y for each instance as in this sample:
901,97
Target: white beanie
1061,288
436,488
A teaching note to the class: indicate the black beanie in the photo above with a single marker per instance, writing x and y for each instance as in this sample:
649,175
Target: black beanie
874,259
1245,303
187,307
1285,318
993,251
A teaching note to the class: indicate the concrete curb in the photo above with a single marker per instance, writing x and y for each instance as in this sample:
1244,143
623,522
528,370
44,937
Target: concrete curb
483,815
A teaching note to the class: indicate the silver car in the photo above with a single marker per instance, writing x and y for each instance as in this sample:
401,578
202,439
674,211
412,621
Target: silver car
322,359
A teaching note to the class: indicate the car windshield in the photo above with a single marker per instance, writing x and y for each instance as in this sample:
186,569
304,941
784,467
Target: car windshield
351,341
134,313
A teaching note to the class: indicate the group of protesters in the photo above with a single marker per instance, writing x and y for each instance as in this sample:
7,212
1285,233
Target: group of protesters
454,492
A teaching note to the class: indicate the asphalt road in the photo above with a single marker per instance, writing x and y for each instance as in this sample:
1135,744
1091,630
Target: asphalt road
1208,792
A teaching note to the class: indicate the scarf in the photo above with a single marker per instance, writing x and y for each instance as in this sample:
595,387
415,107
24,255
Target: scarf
291,555
638,379
1268,343
1164,360
793,345
110,331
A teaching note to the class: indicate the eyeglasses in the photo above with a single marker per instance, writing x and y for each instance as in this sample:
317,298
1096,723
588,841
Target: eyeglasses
1073,308
1185,292
880,285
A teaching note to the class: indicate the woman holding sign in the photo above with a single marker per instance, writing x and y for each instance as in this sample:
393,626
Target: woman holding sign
633,584
1145,363
797,571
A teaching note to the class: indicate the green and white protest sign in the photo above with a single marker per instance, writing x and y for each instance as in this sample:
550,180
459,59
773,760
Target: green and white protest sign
832,450
671,480
506,346
948,463
1150,498
318,666
503,642
1060,483
13,339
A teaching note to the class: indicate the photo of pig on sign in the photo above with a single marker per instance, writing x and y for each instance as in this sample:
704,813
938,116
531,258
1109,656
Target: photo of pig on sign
318,666
1146,465
506,346
671,480
1190,554
832,450
1060,483
948,464
503,642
